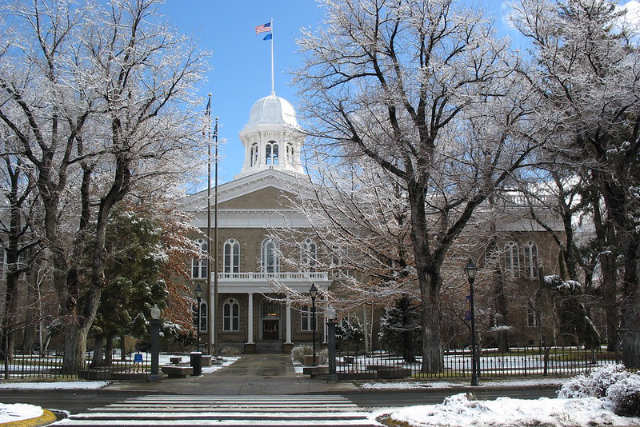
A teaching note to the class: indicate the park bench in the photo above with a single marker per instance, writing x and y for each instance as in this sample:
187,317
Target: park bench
175,371
175,360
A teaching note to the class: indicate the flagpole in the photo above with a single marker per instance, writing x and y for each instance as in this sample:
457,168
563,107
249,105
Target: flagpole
273,86
208,224
215,251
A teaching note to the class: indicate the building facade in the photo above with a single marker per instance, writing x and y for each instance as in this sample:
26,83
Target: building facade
250,315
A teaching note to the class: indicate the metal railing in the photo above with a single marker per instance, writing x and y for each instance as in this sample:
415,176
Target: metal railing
518,361
49,367
283,276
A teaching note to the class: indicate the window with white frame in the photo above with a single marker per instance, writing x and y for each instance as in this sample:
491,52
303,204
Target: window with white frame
231,256
204,313
308,254
271,153
270,260
530,258
511,260
231,315
199,264
306,319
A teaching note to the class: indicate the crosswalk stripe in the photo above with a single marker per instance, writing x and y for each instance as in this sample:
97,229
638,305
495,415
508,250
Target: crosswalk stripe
283,410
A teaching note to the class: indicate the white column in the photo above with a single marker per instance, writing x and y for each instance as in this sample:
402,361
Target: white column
250,321
288,328
324,325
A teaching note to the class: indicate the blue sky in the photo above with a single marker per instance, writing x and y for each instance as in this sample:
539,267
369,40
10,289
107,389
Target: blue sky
241,62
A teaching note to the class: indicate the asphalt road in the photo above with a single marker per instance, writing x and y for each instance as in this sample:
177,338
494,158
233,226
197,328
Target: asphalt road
80,401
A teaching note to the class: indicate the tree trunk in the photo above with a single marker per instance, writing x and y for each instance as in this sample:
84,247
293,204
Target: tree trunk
98,353
431,348
608,264
365,329
76,329
631,312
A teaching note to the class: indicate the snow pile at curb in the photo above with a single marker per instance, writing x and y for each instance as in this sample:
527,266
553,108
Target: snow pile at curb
61,385
421,385
18,411
460,410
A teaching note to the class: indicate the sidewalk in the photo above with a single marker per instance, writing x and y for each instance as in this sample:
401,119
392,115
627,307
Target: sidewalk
251,374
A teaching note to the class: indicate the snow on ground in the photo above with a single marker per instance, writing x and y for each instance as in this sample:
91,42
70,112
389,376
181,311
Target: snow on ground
60,385
226,362
459,410
18,411
418,385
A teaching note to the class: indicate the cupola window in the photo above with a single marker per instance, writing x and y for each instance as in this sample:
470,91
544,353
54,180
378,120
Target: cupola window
290,154
254,155
271,153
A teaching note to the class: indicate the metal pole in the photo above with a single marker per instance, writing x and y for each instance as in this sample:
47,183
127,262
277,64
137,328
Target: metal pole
215,249
198,327
331,344
155,345
208,225
313,314
474,351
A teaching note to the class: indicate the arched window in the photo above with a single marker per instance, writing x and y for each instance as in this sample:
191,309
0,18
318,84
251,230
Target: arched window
308,254
271,153
231,316
337,256
231,256
254,155
199,264
511,261
204,313
530,258
270,260
290,154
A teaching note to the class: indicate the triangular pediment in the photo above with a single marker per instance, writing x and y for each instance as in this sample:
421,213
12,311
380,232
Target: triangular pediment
268,189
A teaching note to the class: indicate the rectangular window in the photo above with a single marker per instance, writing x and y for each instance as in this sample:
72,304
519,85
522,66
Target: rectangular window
306,317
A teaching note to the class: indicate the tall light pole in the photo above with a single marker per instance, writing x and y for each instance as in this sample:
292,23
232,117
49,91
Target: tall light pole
313,293
155,340
198,292
471,270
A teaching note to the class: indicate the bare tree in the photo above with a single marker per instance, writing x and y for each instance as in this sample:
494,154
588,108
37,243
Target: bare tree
586,70
104,95
423,89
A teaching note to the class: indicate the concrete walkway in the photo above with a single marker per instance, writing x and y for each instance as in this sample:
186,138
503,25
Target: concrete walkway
251,374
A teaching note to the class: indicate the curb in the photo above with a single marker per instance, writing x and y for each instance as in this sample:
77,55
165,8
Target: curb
46,418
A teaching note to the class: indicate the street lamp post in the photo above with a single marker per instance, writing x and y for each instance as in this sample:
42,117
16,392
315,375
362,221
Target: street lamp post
471,270
155,340
331,343
313,292
198,292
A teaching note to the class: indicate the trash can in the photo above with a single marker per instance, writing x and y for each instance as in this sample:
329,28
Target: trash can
195,359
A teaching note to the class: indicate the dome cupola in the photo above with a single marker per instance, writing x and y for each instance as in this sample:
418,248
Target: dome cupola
272,137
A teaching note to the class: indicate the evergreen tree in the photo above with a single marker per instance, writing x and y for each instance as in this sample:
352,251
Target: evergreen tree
400,328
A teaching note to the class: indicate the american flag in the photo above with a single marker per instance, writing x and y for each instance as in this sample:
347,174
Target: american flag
263,28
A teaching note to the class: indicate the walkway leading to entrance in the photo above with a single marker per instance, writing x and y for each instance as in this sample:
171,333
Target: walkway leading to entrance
252,374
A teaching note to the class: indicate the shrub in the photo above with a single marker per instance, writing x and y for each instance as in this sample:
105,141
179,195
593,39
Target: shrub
624,396
619,389
595,384
298,352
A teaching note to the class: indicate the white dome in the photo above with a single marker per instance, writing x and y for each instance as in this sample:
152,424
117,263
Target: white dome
272,110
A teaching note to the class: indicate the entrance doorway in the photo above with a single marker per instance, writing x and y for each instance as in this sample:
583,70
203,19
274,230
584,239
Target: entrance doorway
270,321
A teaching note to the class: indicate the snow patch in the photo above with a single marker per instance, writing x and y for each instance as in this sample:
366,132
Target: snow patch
62,385
10,412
